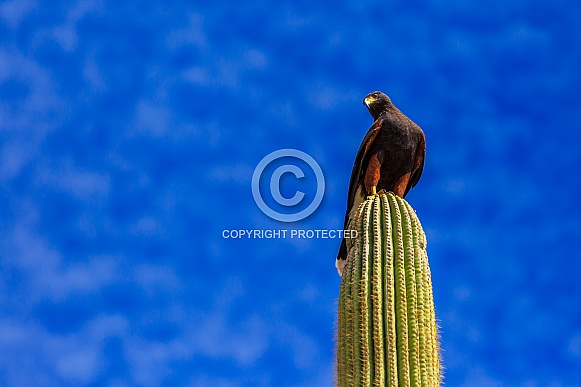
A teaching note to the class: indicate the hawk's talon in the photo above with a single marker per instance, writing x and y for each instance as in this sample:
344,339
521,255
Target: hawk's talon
373,192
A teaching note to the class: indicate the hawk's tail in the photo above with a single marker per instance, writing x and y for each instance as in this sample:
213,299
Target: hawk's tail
341,257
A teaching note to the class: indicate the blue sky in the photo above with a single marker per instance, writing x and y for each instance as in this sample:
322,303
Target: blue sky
129,134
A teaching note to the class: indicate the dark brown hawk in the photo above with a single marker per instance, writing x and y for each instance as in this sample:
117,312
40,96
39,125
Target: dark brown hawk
390,158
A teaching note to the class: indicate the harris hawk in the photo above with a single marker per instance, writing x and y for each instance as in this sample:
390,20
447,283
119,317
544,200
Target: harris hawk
391,158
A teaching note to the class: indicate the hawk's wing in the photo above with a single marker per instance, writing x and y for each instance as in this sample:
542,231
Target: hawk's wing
358,165
419,159
353,185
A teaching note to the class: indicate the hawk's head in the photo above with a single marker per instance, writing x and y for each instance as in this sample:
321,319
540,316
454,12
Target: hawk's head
376,103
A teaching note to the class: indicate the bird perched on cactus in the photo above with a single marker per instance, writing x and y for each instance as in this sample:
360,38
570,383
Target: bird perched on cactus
390,158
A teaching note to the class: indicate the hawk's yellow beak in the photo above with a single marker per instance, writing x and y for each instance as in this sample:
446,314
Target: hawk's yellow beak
369,100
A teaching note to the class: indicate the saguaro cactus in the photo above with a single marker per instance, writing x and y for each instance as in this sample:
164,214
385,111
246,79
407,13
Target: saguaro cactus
387,333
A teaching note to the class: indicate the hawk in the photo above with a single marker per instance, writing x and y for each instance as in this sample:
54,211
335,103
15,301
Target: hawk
391,158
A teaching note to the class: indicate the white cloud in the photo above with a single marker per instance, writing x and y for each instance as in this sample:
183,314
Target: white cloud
238,173
190,35
151,118
84,185
13,12
79,365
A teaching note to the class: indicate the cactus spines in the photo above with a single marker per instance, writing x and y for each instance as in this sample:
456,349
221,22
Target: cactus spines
387,333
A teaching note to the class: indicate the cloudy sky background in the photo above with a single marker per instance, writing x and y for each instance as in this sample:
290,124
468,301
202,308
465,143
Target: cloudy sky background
128,138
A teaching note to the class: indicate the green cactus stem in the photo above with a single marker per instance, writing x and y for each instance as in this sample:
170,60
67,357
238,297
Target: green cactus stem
387,333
